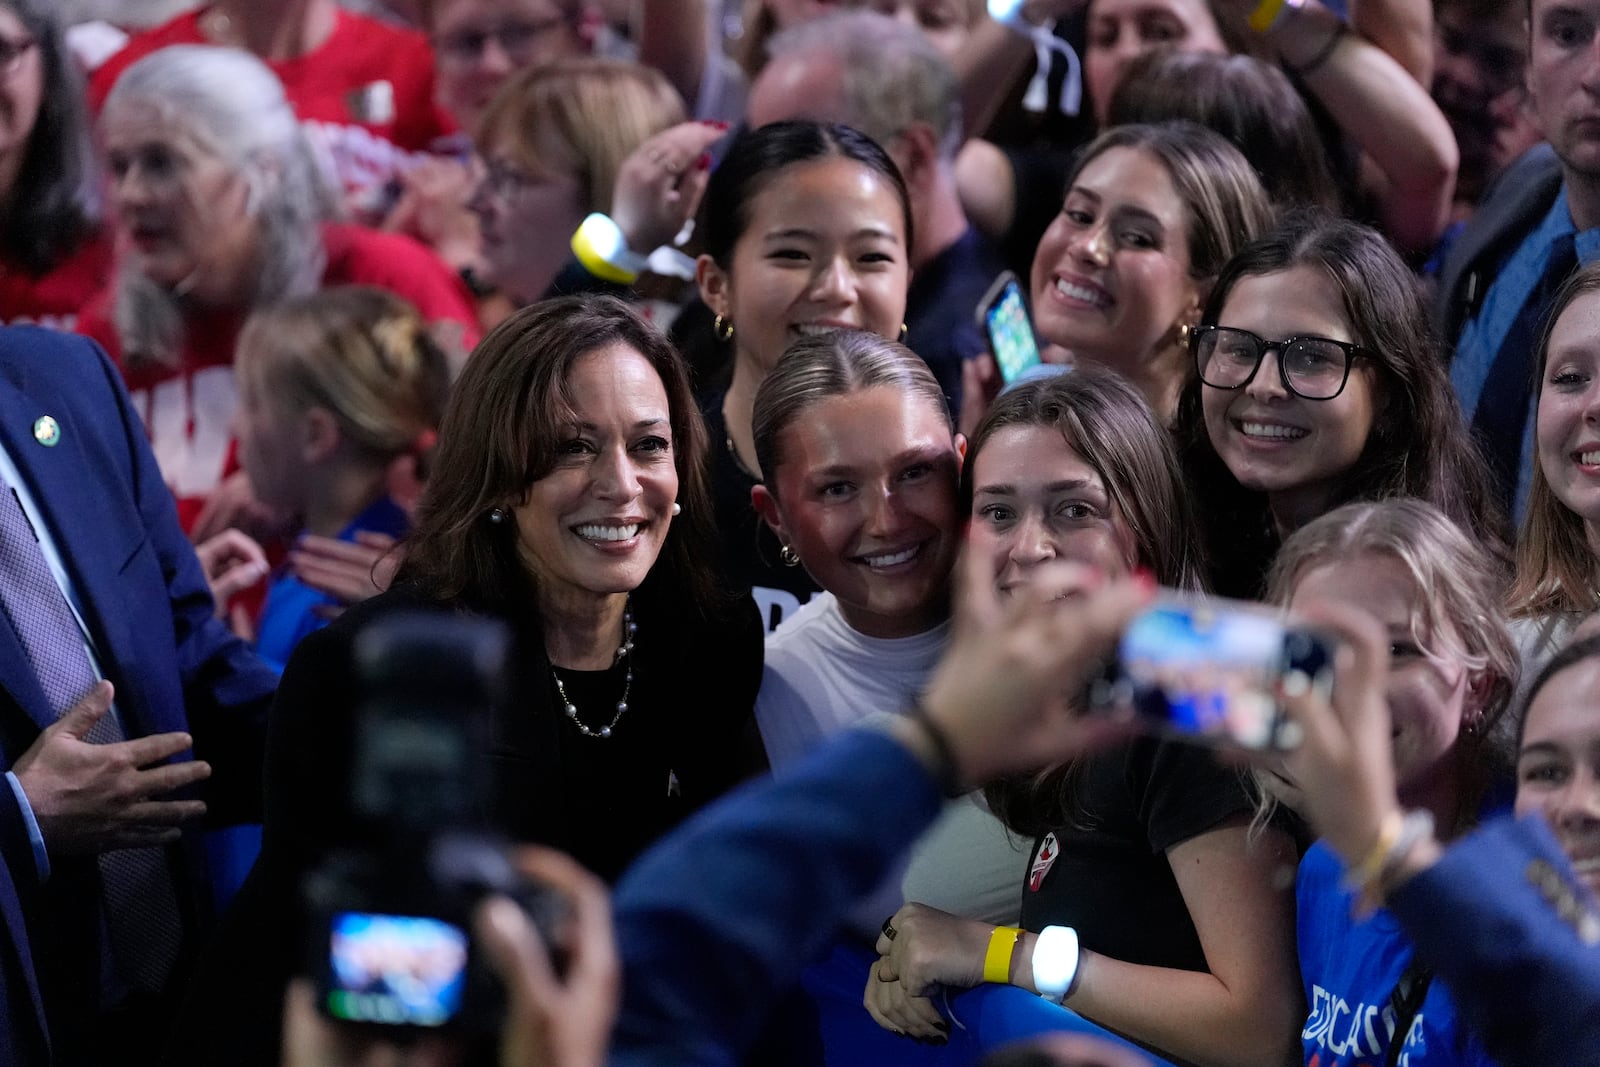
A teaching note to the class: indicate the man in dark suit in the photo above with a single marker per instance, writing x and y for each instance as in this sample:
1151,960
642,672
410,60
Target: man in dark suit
1536,225
101,891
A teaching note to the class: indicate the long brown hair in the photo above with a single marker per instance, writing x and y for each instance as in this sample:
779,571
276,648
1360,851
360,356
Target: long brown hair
1417,446
501,432
1106,421
1556,568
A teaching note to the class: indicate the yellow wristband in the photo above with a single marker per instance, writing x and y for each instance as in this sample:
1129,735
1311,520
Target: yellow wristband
1262,17
997,961
1362,874
600,247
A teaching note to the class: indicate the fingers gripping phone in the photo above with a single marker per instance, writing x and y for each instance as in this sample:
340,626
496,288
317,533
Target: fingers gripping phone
1208,670
1003,314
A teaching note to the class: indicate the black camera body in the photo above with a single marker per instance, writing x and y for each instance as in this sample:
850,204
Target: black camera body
390,912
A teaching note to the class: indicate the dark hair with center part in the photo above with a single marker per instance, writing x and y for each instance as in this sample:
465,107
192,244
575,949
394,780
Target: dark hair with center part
505,421
1418,445
758,156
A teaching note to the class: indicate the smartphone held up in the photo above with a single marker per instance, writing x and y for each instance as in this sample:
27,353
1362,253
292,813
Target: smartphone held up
1209,670
1003,314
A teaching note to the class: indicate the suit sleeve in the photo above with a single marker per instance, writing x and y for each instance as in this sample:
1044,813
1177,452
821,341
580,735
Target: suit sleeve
226,688
1502,920
706,959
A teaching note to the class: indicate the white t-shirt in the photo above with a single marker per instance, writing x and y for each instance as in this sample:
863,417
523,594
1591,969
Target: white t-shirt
821,677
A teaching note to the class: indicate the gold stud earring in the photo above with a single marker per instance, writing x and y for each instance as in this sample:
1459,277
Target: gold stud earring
904,330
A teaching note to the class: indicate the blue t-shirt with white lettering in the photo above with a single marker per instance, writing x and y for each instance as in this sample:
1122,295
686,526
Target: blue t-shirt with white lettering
1350,968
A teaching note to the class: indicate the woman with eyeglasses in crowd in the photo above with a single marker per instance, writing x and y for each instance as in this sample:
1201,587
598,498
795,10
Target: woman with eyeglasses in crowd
553,140
1318,383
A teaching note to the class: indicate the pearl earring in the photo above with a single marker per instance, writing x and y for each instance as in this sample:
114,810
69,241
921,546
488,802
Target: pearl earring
677,509
497,515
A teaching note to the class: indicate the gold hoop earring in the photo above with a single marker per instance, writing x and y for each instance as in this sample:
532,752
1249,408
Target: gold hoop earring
723,328
904,330
790,557
1185,334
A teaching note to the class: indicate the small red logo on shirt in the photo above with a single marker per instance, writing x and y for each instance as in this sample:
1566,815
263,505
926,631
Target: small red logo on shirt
1043,860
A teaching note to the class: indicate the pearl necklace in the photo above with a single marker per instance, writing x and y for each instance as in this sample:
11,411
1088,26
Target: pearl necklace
628,630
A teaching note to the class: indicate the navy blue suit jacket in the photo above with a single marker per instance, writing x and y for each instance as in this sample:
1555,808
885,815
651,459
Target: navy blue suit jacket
1504,921
175,667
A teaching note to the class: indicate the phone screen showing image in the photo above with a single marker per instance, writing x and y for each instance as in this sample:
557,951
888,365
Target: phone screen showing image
1010,331
398,970
1209,671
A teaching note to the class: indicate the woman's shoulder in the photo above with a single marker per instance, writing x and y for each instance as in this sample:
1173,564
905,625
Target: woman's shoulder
1182,790
401,598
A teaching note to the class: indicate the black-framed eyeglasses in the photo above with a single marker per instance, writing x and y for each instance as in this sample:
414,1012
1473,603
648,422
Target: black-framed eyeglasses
12,50
1315,368
518,39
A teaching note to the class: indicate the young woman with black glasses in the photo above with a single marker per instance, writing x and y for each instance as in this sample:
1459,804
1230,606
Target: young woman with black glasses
1319,383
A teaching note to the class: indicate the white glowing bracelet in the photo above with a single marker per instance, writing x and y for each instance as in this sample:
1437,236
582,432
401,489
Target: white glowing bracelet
603,250
1055,962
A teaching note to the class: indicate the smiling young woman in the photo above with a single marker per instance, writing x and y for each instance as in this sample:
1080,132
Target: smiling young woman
863,466
807,229
1151,215
567,501
1145,852
1318,384
1558,551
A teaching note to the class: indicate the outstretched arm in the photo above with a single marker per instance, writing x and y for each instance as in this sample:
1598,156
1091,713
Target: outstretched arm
1385,112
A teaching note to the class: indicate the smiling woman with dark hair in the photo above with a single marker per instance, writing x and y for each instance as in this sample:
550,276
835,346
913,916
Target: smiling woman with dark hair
566,500
806,227
1319,383
54,254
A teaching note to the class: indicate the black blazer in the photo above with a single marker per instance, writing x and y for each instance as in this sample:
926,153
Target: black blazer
689,721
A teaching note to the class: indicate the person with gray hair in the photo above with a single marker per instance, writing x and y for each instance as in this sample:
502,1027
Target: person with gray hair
220,209
363,88
888,80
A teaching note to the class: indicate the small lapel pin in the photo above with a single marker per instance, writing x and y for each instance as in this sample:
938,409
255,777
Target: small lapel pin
46,431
